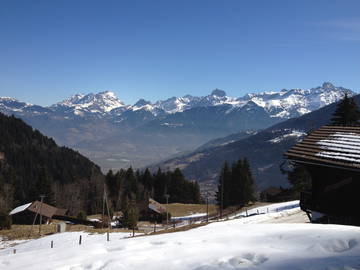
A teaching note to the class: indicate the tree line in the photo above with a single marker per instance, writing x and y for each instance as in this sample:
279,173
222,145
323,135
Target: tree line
236,185
127,187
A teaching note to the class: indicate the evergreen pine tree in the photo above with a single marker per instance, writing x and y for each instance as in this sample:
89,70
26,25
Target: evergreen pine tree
346,113
146,179
236,187
247,183
223,193
131,217
299,178
43,187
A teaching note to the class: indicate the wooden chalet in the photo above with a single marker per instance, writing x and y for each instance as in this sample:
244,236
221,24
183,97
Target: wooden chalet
25,214
331,155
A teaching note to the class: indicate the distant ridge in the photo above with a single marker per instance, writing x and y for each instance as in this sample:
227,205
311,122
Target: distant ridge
264,149
116,135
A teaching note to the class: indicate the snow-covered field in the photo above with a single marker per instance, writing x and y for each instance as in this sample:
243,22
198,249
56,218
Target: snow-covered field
241,243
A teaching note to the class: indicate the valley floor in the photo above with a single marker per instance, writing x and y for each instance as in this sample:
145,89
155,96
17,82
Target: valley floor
258,242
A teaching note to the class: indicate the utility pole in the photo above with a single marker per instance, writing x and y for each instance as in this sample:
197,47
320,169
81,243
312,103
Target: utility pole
207,207
41,203
103,208
105,201
167,212
222,196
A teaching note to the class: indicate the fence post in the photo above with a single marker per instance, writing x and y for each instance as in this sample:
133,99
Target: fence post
108,237
246,212
14,251
52,243
80,240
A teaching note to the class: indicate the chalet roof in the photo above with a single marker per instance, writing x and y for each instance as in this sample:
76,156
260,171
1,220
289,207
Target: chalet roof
333,146
36,207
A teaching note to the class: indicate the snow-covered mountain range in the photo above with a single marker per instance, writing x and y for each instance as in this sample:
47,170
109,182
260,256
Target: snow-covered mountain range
283,104
115,134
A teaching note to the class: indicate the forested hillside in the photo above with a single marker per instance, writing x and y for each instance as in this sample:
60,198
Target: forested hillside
32,164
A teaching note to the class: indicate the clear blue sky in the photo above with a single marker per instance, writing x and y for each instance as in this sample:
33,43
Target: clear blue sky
50,50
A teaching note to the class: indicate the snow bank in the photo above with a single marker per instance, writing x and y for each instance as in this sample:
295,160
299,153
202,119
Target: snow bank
234,244
271,208
196,215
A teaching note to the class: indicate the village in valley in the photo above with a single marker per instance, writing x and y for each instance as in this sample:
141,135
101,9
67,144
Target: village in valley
179,174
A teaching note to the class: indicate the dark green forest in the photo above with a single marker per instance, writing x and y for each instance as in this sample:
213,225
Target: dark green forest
32,164
127,187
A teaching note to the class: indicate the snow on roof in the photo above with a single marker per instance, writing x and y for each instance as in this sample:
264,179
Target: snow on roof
20,208
330,145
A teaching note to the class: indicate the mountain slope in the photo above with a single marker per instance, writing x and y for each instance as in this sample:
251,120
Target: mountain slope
116,135
264,151
31,164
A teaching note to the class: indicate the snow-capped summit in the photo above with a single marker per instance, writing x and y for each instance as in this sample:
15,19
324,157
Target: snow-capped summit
102,102
279,104
296,102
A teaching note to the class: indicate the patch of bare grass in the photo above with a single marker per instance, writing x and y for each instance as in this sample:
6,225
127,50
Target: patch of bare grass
22,232
180,209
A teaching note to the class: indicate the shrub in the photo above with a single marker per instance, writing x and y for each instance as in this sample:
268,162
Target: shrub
5,222
82,215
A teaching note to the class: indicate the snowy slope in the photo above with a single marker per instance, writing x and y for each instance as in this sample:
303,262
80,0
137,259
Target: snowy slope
222,245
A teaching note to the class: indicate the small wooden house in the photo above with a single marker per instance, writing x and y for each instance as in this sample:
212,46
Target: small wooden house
331,155
25,214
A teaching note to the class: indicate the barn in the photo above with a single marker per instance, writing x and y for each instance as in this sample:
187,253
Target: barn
331,156
25,214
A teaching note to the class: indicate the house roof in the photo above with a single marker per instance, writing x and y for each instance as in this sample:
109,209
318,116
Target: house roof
333,146
36,207
43,209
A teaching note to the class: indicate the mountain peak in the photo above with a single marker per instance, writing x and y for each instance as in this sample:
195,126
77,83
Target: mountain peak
101,102
328,85
218,92
141,102
108,94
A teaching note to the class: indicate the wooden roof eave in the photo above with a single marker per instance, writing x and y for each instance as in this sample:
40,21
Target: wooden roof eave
305,159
